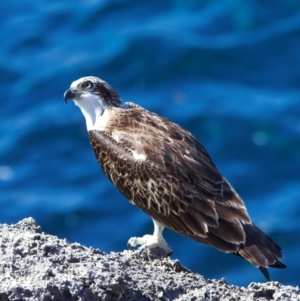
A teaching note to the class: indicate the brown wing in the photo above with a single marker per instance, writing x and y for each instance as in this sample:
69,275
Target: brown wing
178,184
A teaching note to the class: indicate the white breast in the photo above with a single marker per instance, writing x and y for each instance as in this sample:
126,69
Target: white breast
101,121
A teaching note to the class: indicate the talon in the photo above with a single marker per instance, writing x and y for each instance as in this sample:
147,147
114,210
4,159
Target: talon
140,251
132,243
150,241
170,253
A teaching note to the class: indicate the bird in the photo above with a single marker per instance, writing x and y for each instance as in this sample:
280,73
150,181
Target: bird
165,171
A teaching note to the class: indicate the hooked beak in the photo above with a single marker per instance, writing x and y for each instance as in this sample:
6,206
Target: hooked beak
69,94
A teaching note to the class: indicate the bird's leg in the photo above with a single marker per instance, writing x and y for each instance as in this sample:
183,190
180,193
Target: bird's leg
151,241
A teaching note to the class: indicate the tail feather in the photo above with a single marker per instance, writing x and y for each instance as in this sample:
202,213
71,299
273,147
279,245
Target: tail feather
265,272
260,250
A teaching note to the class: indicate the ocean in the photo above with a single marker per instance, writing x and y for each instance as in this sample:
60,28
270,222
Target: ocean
228,71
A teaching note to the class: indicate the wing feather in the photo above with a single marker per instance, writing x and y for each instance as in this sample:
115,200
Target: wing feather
178,184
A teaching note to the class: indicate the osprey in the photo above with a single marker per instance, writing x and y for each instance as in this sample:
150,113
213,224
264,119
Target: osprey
162,169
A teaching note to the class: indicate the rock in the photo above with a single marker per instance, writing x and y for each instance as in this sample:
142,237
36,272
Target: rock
38,266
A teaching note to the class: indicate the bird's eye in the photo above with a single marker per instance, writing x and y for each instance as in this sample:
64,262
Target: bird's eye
87,85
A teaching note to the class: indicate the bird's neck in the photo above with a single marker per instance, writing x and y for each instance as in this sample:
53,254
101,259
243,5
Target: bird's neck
96,114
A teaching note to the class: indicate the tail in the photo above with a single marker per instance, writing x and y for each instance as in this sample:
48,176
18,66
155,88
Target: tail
260,250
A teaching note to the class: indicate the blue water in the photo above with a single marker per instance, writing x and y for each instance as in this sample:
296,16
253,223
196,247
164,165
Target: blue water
228,71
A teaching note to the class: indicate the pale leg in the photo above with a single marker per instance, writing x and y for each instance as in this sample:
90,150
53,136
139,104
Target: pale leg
151,241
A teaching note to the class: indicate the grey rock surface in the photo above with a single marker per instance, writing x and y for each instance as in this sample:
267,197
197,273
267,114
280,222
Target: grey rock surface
38,266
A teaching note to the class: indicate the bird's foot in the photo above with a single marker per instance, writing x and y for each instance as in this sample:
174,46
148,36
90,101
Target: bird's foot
149,242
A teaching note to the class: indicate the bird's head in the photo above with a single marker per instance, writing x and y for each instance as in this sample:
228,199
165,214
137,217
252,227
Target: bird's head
90,89
93,96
